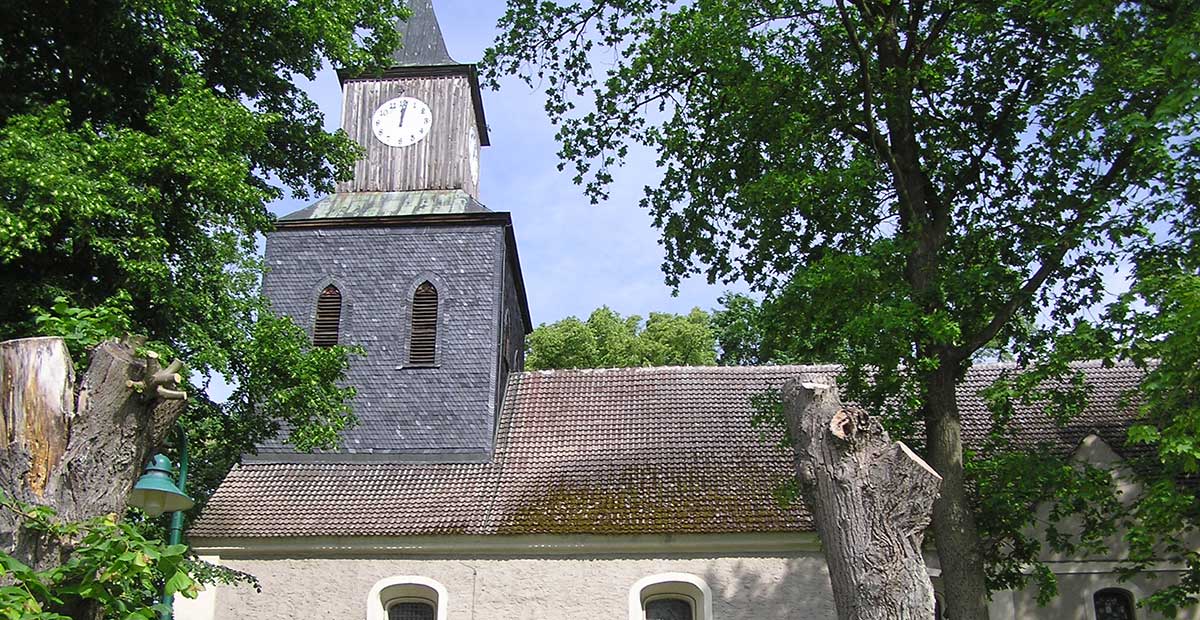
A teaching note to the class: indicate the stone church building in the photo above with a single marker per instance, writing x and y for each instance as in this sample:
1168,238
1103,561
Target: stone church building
472,490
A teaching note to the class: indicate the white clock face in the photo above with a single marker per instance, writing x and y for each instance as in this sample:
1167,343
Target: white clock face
401,121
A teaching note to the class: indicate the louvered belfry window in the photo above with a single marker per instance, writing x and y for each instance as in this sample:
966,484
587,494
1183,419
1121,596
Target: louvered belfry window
423,342
329,317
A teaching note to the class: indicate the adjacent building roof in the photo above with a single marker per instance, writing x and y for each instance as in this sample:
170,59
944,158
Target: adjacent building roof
389,204
621,451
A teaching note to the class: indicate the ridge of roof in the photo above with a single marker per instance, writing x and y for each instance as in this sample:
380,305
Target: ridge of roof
792,368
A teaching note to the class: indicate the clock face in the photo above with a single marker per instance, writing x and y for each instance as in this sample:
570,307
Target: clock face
401,121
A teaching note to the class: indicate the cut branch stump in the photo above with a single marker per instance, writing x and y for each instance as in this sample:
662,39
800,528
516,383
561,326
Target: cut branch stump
77,452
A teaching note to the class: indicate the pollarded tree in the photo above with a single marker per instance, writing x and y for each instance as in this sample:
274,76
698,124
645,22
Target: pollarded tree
934,177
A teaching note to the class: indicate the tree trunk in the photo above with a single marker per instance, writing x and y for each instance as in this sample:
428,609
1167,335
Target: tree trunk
77,452
954,531
871,500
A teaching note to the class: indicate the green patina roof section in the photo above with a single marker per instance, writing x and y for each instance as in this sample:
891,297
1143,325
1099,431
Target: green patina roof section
387,204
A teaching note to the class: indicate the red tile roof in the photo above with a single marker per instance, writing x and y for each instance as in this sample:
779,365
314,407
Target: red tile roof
619,451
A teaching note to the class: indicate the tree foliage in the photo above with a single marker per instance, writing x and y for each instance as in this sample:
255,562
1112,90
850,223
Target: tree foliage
1157,323
139,145
112,565
608,340
924,179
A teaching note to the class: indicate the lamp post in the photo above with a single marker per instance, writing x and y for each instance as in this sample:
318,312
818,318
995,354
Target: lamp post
155,493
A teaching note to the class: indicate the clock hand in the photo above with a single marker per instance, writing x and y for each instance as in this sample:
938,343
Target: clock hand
403,110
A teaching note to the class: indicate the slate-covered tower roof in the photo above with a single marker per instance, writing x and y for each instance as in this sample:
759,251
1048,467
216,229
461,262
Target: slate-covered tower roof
422,43
404,261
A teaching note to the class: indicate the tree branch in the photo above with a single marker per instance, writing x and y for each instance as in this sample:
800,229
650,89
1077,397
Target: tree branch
935,33
876,140
1052,262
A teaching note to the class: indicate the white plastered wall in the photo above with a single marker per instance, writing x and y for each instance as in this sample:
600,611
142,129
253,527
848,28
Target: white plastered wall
528,588
765,586
783,577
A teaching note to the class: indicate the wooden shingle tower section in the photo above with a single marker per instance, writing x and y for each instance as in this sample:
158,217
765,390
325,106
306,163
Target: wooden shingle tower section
421,121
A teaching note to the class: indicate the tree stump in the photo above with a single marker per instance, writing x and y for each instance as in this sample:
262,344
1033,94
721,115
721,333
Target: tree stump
78,452
871,500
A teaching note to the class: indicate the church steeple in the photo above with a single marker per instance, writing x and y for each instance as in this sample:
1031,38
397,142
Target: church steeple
421,39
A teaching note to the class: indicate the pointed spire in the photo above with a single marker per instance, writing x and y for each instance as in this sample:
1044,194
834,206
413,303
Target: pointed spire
421,42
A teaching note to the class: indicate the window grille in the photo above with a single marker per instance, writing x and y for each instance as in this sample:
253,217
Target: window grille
411,610
422,346
669,609
1113,604
329,316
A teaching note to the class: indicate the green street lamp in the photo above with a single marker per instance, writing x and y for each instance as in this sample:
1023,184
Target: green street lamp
155,493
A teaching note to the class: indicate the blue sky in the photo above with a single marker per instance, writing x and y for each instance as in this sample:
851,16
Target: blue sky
575,256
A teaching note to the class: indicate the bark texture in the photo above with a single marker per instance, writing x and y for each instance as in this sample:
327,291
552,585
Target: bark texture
871,500
78,451
954,530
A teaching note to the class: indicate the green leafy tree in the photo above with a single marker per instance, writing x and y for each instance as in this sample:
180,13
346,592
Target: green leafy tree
616,339
678,339
136,162
738,326
112,566
139,145
1157,323
568,343
931,178
608,340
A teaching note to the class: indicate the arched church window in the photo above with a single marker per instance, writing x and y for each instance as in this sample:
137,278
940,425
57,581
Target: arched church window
407,598
670,596
1113,604
422,346
329,317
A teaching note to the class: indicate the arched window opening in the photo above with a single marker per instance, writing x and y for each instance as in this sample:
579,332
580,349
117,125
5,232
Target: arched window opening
411,610
422,346
407,598
1113,604
329,317
670,596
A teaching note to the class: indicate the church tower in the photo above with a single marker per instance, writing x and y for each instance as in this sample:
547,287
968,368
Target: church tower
404,261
